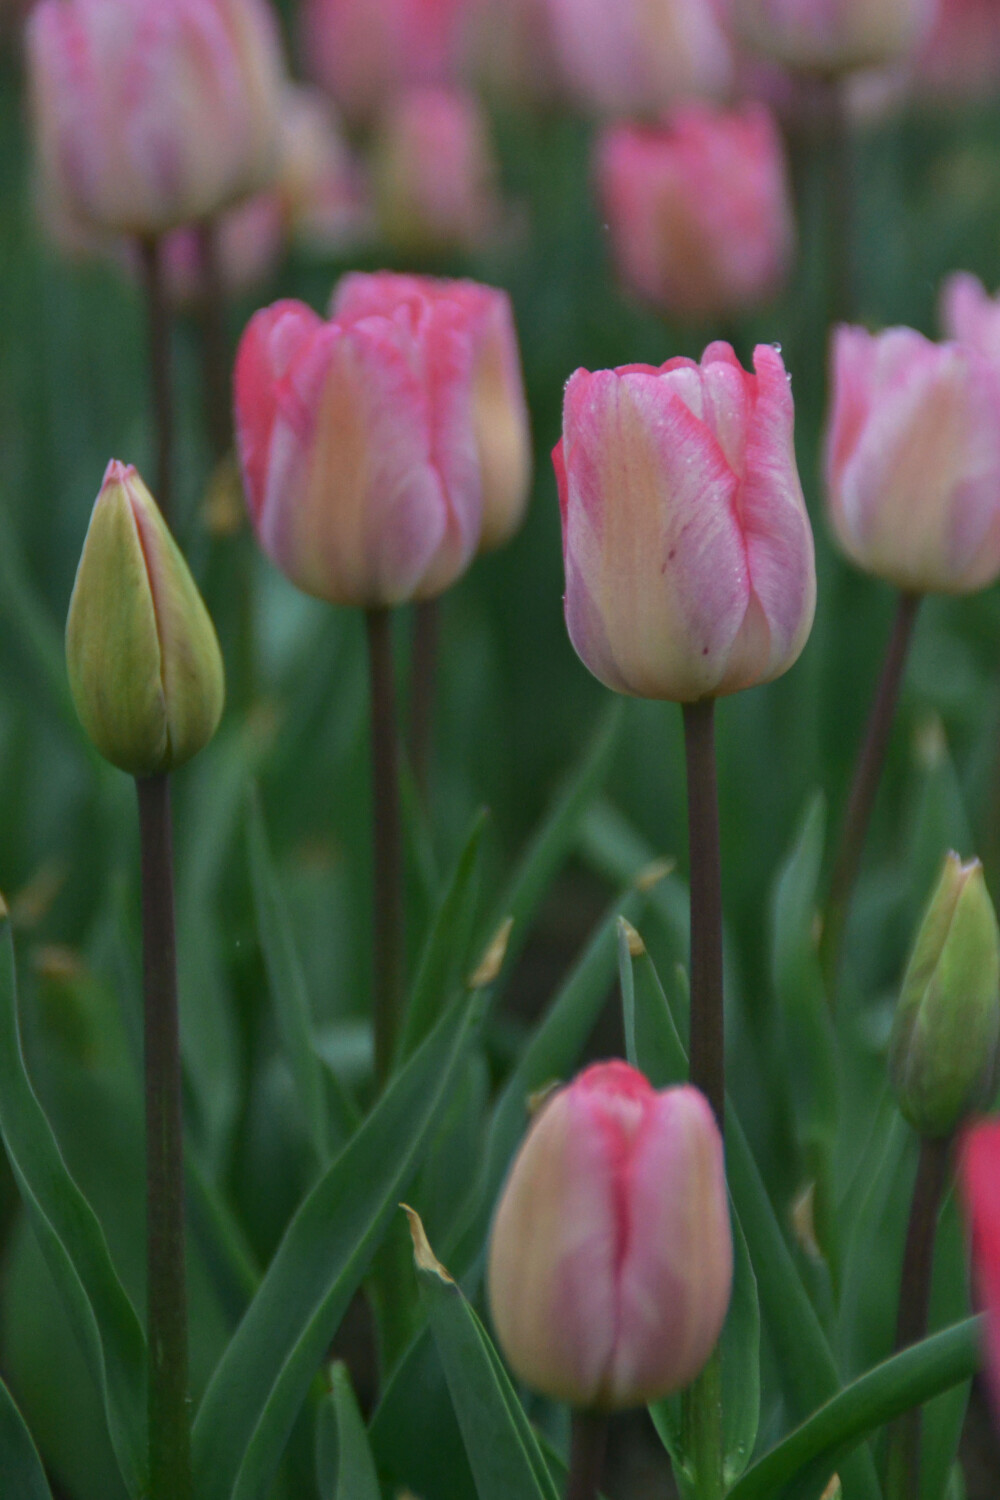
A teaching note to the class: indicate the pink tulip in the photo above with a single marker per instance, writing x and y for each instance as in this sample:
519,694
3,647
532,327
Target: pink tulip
699,209
358,451
499,408
512,50
979,1173
961,57
610,1264
688,551
833,36
250,240
363,51
969,315
320,182
637,56
913,460
149,116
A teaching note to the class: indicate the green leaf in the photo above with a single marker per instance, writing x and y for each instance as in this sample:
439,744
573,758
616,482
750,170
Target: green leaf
20,1467
501,1446
944,1418
441,970
800,1467
264,1375
73,1243
415,1434
345,1468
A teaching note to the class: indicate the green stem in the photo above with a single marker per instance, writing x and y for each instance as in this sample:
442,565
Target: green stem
423,680
388,845
160,364
707,1048
701,1415
588,1446
169,1424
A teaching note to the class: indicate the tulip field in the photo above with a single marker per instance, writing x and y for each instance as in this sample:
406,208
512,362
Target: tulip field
499,749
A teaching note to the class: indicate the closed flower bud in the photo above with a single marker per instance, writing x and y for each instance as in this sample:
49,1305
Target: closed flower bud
358,449
688,551
144,663
699,209
151,115
610,1264
944,1048
969,315
961,57
499,410
979,1176
832,36
913,460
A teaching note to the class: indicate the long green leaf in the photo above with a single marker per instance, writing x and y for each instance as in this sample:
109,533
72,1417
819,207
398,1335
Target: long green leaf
800,1467
264,1375
20,1467
345,1468
72,1241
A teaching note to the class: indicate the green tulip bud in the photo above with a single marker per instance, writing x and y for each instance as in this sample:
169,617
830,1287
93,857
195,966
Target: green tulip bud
144,662
944,1047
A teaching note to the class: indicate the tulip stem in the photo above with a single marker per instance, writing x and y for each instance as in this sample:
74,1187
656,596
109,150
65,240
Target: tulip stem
839,202
701,1416
588,1445
423,681
160,363
169,1426
867,775
387,844
216,363
903,1465
707,1051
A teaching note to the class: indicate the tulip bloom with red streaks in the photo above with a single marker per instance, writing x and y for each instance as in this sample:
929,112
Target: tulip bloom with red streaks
980,1180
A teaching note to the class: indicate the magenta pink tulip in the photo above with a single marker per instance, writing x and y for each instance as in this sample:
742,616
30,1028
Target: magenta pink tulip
961,57
969,315
688,551
699,209
149,116
638,56
610,1263
833,36
357,444
913,460
499,408
980,1181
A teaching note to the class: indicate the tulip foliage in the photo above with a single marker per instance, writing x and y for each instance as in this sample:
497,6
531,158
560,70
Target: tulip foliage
580,1078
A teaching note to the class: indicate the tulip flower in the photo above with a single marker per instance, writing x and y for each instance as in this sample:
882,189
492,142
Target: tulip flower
913,460
148,116
979,1173
610,1262
144,663
500,413
699,209
969,315
512,50
320,183
688,551
832,36
638,56
961,57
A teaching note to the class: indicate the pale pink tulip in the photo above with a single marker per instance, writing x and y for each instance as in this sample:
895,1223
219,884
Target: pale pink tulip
149,116
512,50
610,1263
961,57
250,241
688,551
699,209
638,56
969,315
833,36
357,445
913,460
979,1175
320,181
500,412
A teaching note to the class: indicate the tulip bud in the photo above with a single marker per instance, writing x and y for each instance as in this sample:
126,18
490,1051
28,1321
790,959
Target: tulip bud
913,460
969,315
979,1176
687,547
144,663
961,57
943,1053
699,210
610,1264
149,116
832,36
500,411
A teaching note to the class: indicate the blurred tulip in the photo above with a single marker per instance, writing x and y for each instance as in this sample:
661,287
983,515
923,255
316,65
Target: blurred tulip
979,1174
358,450
638,56
435,173
512,50
943,1051
913,460
833,36
152,116
688,551
969,315
249,243
699,210
144,663
610,1263
961,57
499,409
364,51
320,182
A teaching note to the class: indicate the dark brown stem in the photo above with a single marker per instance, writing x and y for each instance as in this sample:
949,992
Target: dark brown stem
160,363
839,200
388,844
216,362
707,1052
423,681
588,1446
867,775
169,1428
914,1304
